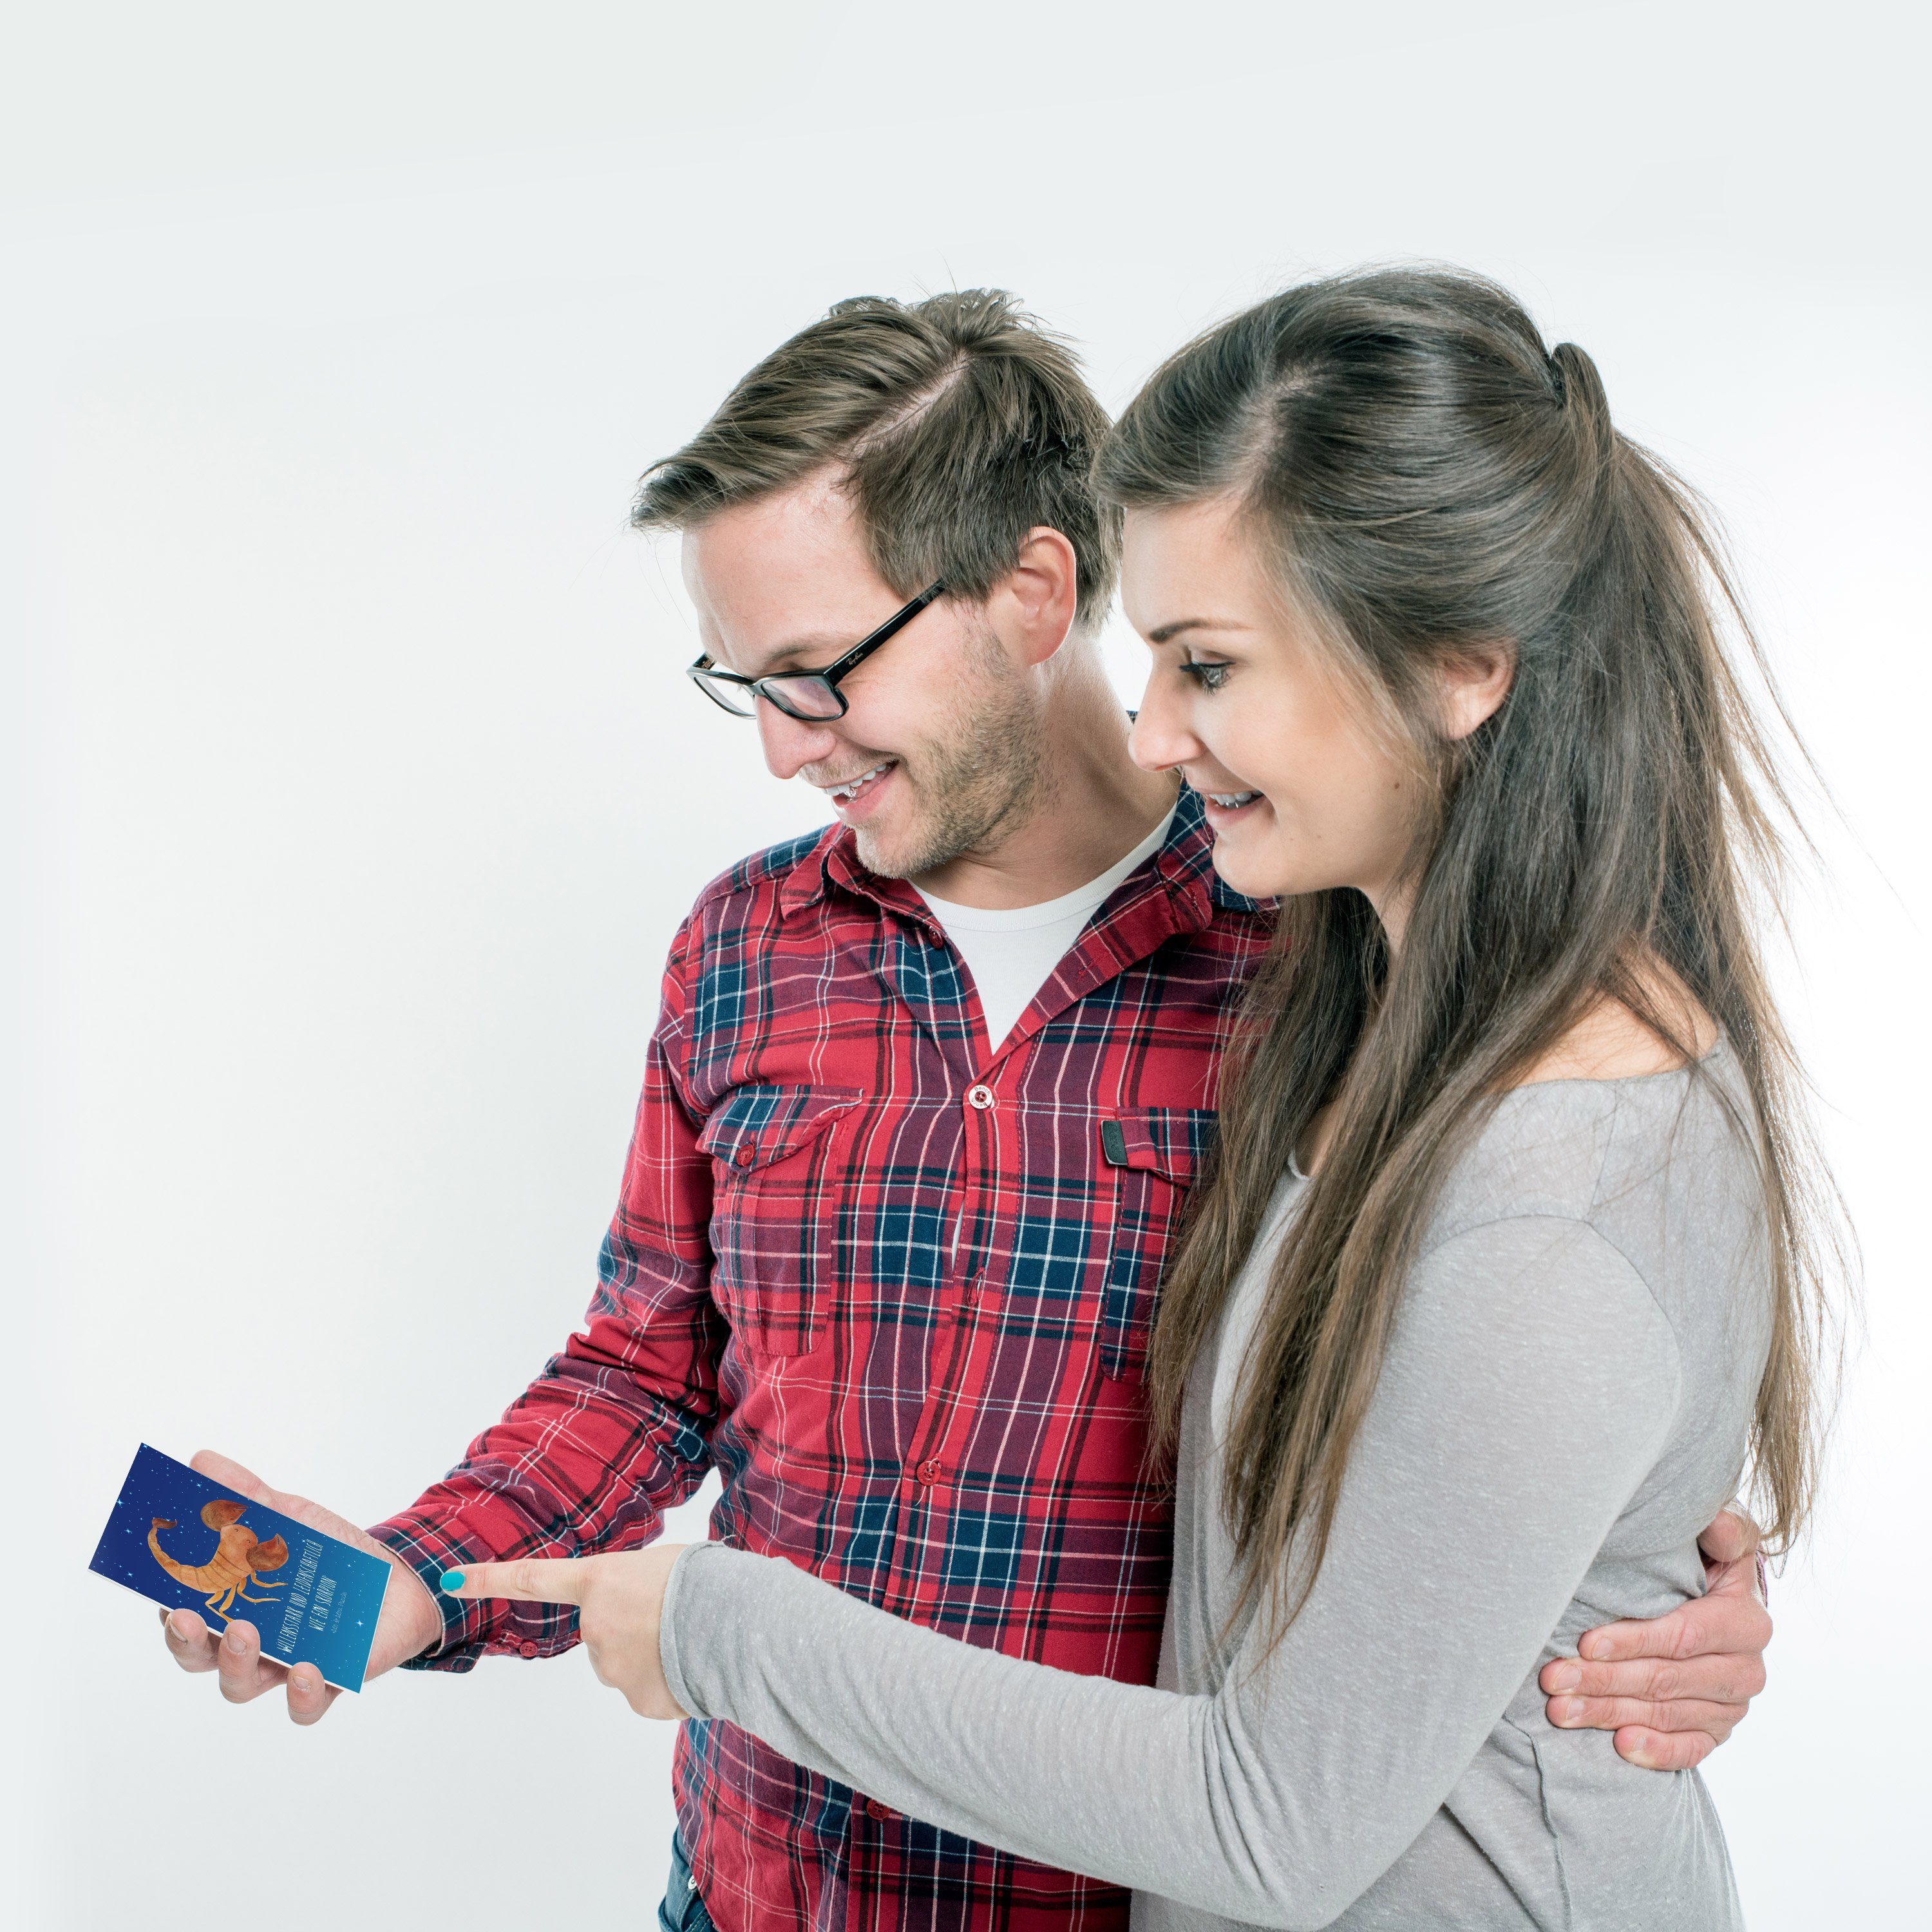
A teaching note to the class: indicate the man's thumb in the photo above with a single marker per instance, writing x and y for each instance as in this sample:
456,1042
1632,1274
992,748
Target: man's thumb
230,1475
1732,1537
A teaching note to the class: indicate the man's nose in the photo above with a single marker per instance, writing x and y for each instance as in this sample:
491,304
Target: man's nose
790,743
1162,737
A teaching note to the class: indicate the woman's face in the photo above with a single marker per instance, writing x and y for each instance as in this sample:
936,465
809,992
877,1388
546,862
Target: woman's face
1303,791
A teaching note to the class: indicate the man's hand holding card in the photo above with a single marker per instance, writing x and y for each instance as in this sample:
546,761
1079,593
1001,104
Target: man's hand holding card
237,1638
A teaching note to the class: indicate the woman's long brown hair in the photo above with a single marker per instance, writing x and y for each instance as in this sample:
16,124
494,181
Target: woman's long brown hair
1427,479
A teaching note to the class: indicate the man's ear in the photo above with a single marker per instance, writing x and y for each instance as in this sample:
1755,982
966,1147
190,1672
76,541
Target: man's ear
1475,681
1033,608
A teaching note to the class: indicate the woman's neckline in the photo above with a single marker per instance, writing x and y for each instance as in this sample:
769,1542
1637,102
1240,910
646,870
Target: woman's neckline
1696,1063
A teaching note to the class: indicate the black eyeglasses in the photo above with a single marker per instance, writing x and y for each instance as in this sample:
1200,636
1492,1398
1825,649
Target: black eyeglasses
811,695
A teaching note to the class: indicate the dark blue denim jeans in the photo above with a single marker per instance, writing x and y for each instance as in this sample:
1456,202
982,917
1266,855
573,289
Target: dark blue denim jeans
682,1910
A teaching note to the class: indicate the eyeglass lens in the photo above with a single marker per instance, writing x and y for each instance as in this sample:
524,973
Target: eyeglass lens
805,697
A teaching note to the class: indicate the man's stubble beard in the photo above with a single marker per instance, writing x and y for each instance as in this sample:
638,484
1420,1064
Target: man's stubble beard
980,778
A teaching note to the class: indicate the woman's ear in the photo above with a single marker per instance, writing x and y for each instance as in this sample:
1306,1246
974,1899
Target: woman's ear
1475,681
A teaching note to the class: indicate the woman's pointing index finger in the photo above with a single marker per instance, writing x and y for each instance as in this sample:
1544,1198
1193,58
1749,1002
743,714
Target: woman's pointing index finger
530,1579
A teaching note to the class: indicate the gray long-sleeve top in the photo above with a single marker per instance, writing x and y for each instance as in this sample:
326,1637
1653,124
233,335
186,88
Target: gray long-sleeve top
1563,1407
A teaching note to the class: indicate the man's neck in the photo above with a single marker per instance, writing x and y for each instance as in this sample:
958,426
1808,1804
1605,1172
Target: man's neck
1095,807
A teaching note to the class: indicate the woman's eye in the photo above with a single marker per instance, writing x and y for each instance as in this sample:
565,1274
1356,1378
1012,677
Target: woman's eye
1210,674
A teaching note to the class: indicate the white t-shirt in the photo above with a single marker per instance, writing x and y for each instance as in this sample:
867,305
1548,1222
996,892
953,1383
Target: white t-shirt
1010,953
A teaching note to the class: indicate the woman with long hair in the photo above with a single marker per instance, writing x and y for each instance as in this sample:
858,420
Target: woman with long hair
1511,1257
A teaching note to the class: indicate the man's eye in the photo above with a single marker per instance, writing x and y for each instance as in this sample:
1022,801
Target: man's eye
1210,674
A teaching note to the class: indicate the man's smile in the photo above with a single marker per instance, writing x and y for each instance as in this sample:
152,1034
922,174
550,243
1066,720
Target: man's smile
853,795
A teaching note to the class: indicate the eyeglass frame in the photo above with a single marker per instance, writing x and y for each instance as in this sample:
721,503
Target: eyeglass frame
831,676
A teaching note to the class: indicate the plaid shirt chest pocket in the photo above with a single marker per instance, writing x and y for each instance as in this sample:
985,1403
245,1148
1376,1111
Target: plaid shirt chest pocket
1155,1152
771,1222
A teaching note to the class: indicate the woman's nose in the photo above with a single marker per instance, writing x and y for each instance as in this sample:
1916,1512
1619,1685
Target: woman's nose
1160,738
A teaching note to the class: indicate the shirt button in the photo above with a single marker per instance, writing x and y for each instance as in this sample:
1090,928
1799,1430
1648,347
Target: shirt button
874,1809
980,1096
929,1472
745,1156
526,1649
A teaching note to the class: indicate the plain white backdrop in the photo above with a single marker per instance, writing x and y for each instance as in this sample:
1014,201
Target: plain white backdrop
354,789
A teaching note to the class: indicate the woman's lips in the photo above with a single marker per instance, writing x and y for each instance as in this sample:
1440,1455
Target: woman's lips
1225,808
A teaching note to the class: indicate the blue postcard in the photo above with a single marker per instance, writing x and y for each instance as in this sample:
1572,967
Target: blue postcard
186,1543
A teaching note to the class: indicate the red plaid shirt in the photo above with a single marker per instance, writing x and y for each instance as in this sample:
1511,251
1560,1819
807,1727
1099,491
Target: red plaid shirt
897,1289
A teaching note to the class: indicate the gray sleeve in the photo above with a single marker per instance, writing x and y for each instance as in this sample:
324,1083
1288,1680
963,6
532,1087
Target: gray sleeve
1528,1387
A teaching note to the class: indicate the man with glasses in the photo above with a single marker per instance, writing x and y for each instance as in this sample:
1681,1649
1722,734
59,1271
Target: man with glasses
812,697
925,1095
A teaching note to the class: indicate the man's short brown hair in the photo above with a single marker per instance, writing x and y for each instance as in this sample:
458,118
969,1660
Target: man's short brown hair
959,423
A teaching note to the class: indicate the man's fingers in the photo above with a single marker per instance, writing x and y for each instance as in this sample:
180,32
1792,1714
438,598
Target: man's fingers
1731,1619
309,1696
1731,1538
1616,1643
1663,1751
1727,1620
235,1653
238,1660
530,1580
190,1642
1671,1688
1721,1679
1615,1714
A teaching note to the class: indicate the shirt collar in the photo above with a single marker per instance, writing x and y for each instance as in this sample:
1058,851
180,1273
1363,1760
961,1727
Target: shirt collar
834,862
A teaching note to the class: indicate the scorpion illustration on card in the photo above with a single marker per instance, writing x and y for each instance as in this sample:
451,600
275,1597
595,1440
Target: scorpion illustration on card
241,1557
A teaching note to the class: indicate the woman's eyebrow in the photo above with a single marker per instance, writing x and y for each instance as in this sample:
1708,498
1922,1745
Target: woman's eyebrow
1168,633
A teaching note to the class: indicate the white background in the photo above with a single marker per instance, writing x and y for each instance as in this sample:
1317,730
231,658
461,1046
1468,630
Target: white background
356,789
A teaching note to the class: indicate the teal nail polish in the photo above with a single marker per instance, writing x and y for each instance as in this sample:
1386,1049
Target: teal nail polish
452,1579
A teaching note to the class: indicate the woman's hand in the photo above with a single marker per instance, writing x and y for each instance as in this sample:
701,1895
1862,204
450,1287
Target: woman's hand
619,1599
